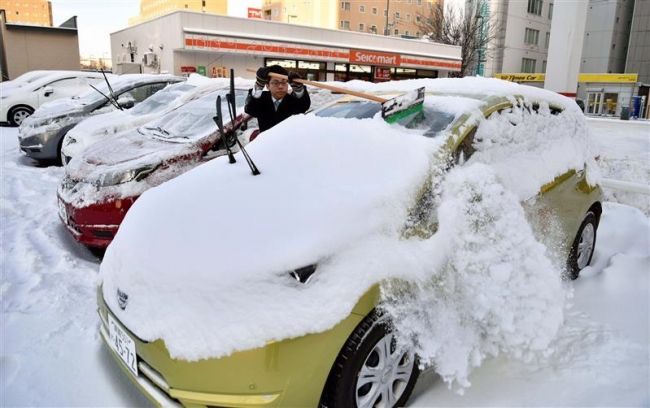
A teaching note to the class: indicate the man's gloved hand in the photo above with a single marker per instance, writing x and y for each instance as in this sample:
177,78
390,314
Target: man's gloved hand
262,77
296,86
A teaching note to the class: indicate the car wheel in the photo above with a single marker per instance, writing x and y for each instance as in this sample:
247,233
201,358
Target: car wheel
583,246
19,114
371,371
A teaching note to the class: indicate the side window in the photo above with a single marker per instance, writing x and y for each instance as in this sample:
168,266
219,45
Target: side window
466,148
142,92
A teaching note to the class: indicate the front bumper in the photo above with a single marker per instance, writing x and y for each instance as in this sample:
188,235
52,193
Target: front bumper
94,225
289,373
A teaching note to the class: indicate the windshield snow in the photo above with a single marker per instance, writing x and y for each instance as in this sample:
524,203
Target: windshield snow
193,119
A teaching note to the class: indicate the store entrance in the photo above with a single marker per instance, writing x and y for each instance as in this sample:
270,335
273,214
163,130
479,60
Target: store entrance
594,103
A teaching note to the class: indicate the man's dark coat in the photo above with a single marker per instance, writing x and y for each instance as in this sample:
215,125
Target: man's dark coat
262,108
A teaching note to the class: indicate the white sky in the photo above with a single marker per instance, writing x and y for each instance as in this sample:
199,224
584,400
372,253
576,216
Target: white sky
96,19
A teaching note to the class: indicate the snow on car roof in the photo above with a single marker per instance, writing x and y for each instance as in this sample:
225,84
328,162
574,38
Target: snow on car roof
205,257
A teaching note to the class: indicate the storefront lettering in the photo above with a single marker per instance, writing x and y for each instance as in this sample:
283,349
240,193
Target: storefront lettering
374,58
521,77
254,13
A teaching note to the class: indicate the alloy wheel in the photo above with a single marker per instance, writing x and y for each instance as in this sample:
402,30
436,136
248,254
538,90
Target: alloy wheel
586,245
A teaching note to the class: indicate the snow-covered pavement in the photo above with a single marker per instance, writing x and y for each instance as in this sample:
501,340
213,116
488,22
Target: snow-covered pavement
51,353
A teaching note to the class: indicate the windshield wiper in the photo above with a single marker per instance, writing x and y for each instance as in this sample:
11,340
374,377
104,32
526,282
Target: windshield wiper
159,129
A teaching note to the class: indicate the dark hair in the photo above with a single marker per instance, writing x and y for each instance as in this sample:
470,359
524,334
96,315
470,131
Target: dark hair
276,69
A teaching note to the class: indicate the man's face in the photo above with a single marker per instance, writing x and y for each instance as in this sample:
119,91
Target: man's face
278,87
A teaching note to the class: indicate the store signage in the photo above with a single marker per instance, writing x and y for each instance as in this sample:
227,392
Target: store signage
254,13
608,78
201,70
188,69
374,58
382,73
522,77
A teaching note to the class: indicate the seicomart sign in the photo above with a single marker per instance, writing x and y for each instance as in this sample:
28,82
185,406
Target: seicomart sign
375,58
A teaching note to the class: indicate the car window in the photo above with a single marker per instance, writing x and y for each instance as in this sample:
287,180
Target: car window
161,100
351,109
193,120
142,92
466,148
63,83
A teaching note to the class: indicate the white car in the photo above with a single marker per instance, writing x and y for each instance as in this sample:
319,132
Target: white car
107,125
20,101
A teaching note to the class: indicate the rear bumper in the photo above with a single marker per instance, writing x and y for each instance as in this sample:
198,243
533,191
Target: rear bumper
94,225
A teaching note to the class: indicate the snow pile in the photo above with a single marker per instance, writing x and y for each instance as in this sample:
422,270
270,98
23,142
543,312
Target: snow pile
337,192
318,192
528,151
495,292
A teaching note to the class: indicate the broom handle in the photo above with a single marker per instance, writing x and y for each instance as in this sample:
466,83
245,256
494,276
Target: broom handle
330,87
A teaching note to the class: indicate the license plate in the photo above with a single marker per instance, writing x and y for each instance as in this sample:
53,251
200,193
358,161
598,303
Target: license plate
122,344
62,211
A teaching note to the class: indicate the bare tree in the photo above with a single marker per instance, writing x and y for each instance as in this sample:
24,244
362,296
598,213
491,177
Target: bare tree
471,30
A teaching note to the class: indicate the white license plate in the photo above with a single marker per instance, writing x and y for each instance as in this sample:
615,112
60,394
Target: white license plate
62,211
122,344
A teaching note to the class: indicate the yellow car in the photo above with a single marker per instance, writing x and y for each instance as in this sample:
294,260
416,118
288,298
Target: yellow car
345,359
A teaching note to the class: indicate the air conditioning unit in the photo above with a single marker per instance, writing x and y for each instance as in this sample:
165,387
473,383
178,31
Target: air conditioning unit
150,59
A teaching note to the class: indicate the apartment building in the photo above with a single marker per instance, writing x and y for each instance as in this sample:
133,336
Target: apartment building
638,50
150,9
521,31
398,18
32,12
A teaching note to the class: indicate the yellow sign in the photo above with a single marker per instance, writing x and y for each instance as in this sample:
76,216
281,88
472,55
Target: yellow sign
611,78
522,77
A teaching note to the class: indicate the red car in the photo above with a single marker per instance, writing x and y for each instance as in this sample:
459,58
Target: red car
101,184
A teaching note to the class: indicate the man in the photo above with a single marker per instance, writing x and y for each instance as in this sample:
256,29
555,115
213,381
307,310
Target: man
275,105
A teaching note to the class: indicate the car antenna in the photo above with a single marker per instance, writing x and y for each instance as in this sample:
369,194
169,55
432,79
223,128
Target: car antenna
232,110
107,98
110,89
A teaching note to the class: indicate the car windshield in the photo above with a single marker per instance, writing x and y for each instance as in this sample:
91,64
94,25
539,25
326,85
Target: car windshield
91,96
193,120
162,99
431,122
351,109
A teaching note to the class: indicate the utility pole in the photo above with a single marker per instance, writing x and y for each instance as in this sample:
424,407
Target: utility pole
387,12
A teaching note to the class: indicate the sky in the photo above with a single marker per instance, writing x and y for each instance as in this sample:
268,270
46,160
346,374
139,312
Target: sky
96,20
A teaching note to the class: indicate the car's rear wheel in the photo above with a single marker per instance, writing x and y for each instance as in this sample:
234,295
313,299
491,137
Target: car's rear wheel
18,114
371,370
583,246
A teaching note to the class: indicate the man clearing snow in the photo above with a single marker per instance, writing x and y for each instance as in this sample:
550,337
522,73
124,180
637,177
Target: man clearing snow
273,106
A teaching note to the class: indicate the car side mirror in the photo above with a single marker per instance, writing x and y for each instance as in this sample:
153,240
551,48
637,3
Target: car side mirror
126,102
47,91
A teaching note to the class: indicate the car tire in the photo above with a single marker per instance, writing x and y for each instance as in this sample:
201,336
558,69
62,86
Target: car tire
18,114
357,378
583,246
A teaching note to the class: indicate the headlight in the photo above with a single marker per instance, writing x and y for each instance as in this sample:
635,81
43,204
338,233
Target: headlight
112,179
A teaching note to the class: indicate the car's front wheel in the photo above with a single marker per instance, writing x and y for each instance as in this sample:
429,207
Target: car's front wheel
18,114
583,246
371,369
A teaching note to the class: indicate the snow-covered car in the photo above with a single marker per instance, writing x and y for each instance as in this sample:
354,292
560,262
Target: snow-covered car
100,184
101,127
227,289
20,101
41,135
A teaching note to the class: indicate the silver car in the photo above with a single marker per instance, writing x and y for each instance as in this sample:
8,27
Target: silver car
41,135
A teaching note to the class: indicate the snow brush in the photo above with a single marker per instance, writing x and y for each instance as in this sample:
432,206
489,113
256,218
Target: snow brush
393,110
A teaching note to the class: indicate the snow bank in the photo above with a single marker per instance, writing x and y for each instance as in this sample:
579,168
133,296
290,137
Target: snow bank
493,291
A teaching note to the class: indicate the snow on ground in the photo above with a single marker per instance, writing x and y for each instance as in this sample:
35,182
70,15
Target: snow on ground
51,354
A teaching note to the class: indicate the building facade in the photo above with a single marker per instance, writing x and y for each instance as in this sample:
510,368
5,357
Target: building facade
150,9
521,32
606,36
30,47
393,18
33,12
185,42
638,50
